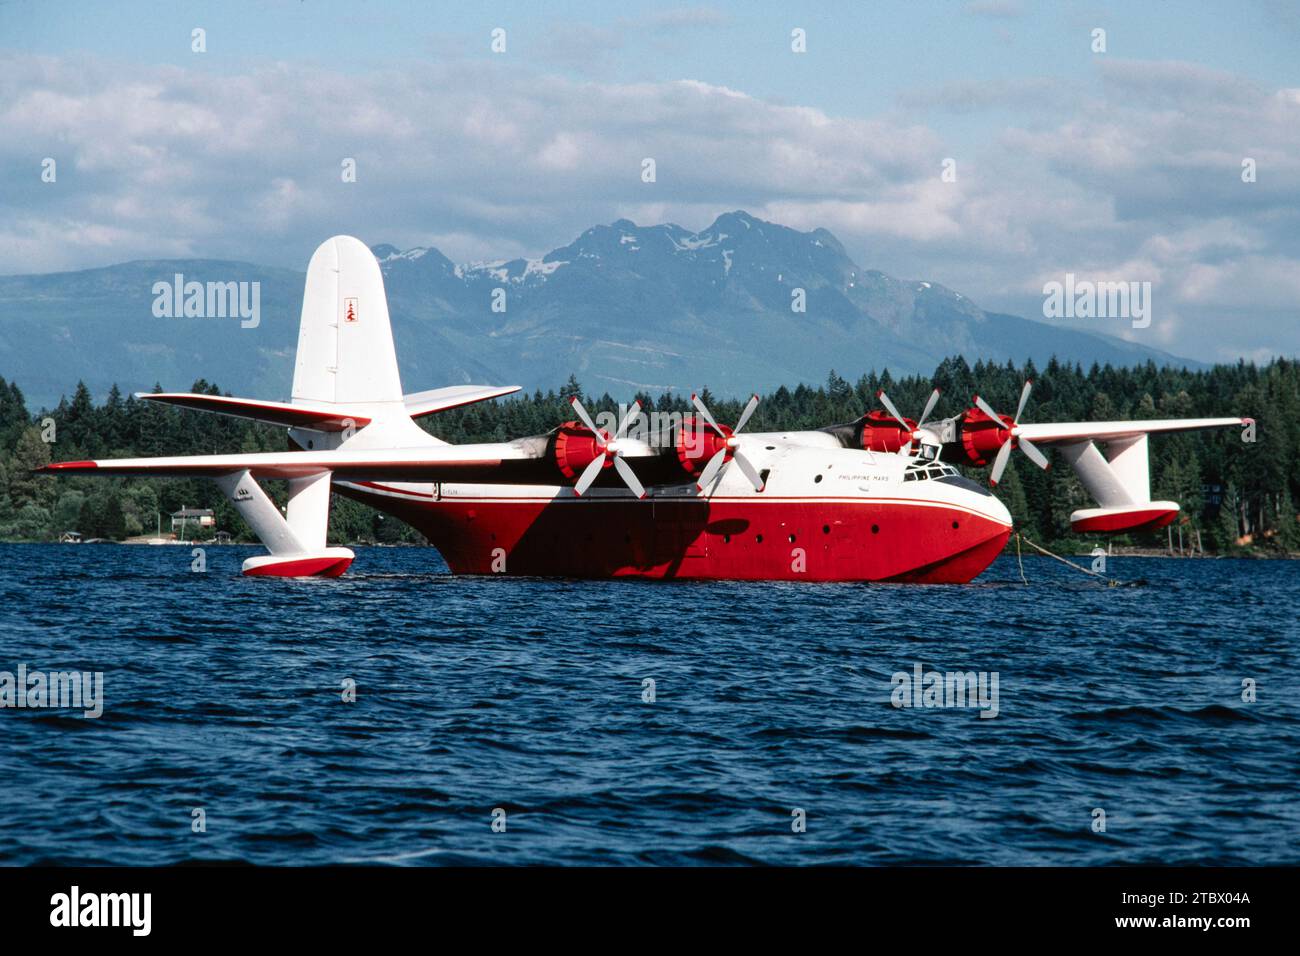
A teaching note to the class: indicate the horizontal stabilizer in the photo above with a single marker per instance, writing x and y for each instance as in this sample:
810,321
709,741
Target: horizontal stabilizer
454,396
312,417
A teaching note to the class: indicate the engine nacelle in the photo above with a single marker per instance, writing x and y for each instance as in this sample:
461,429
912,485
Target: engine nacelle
694,443
879,431
981,436
576,447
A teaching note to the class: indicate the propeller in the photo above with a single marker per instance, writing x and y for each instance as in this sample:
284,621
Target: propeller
1024,444
893,410
608,449
730,450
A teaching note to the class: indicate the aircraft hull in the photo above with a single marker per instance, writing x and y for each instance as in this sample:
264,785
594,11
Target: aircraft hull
749,539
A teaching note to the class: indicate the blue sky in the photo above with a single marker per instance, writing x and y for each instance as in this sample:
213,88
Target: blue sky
863,54
1123,164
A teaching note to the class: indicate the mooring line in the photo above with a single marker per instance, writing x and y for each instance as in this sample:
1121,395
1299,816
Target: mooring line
1111,582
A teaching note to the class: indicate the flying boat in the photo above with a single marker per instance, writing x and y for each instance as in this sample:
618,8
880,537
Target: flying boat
877,499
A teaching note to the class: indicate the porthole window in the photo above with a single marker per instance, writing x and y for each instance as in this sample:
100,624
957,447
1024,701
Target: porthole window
875,529
792,539
817,480
955,526
826,529
758,538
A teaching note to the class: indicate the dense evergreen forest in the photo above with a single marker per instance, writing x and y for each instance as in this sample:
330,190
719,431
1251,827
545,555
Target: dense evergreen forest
1237,496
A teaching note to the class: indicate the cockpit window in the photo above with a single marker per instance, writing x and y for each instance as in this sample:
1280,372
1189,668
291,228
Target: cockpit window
927,471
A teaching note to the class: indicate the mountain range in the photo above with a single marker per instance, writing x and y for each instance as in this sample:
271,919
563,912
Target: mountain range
626,308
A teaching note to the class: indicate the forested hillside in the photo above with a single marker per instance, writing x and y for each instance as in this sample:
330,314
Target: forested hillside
1239,495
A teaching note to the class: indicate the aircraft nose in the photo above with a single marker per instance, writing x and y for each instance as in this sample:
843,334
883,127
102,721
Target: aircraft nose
996,510
980,499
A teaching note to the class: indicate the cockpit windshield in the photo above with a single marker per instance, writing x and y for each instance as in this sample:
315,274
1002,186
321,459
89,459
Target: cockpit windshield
927,470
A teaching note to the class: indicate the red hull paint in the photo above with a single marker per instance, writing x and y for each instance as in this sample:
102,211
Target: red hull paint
733,539
329,567
1148,520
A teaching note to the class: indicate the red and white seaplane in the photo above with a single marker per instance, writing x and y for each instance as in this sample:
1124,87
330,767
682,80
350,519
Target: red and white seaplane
877,499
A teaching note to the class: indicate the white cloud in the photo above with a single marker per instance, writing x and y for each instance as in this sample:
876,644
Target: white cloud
1138,179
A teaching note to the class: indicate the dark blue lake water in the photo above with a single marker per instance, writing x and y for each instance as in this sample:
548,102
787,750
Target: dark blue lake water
225,693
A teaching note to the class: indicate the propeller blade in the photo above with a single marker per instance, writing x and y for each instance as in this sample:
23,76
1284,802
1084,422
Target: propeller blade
889,407
744,416
628,419
628,476
929,407
987,409
750,471
711,470
589,475
1000,463
1034,455
1024,397
582,415
704,413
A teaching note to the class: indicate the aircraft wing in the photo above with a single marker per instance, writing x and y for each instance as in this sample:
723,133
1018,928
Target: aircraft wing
1064,433
521,461
1119,480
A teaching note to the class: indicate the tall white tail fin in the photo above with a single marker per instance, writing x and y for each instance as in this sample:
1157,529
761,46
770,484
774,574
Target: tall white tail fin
346,387
345,343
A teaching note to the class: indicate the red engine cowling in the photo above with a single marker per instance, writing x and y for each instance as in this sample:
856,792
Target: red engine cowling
576,448
695,443
981,436
880,431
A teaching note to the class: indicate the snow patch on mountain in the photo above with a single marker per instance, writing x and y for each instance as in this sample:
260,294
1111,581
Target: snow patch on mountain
410,255
701,240
540,267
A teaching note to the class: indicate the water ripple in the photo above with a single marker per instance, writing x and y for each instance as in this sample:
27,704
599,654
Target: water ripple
525,703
